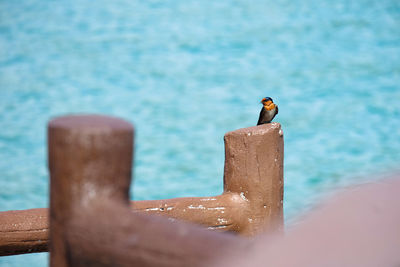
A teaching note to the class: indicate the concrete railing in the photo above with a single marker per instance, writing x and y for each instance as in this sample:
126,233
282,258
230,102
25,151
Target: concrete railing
90,161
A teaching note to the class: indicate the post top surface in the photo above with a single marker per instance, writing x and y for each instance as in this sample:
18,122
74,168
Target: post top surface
256,130
89,121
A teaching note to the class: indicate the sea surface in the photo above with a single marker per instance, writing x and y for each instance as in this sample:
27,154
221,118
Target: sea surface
184,72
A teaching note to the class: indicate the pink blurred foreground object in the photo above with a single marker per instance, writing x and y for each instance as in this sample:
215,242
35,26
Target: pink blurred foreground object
359,227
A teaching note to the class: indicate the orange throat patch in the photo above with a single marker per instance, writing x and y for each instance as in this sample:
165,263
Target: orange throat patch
270,106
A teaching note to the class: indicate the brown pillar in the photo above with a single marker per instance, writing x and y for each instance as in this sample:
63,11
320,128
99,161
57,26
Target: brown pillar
254,171
89,160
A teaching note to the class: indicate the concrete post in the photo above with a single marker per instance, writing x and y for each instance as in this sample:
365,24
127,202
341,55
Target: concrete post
90,160
254,171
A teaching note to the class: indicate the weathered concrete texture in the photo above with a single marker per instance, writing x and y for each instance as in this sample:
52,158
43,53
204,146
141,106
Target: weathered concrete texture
252,201
254,170
23,231
220,213
253,183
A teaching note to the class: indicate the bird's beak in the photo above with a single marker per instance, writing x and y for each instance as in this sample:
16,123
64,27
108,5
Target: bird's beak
262,100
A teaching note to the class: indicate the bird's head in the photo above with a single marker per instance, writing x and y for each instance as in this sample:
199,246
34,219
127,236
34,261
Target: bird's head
268,103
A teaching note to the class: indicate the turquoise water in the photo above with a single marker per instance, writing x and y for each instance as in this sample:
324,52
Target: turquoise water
186,72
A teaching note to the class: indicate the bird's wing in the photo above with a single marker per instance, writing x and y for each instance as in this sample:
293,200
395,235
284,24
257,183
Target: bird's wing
261,116
276,109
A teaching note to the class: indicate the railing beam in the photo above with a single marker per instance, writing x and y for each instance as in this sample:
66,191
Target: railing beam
251,202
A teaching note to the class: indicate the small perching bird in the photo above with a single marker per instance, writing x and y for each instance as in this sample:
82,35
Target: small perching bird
268,111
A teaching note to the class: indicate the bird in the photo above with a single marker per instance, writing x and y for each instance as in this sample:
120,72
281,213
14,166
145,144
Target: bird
268,111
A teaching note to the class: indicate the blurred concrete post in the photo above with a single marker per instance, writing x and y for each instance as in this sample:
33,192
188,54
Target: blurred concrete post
90,159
